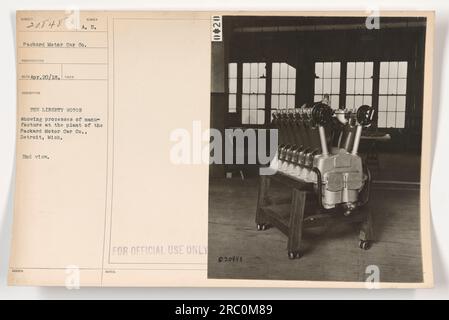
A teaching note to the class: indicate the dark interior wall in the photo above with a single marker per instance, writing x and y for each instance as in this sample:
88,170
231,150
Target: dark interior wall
303,41
219,101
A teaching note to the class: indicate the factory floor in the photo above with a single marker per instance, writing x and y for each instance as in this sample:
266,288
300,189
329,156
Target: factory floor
329,253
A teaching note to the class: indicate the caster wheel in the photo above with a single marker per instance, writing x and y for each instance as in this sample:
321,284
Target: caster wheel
261,227
365,244
293,255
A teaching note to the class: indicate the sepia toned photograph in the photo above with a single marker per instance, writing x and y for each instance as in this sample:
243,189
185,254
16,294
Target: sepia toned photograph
286,150
319,176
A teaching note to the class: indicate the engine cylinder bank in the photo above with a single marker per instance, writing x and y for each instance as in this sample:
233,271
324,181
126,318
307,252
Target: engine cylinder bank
306,152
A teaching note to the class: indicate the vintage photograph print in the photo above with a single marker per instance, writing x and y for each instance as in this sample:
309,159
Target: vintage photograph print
316,163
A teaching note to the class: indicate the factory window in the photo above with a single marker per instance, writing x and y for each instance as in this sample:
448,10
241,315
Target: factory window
253,93
327,82
359,84
283,86
392,94
232,87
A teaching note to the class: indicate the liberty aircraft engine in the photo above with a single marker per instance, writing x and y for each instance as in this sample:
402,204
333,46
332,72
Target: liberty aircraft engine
320,145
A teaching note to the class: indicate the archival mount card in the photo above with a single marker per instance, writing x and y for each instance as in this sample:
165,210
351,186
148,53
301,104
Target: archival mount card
123,171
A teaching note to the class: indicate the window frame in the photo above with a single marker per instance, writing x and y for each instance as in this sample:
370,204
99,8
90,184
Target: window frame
323,78
396,94
252,94
289,80
364,78
375,85
238,115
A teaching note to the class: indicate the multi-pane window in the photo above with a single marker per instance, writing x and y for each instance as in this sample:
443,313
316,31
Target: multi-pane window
359,84
327,82
253,93
392,94
283,86
232,87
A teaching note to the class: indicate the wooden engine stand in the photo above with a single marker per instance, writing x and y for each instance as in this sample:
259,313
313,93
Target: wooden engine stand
288,215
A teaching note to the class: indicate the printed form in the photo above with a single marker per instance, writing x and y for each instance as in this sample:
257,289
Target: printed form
96,107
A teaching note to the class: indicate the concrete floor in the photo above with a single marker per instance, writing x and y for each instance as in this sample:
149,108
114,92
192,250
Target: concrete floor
329,253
